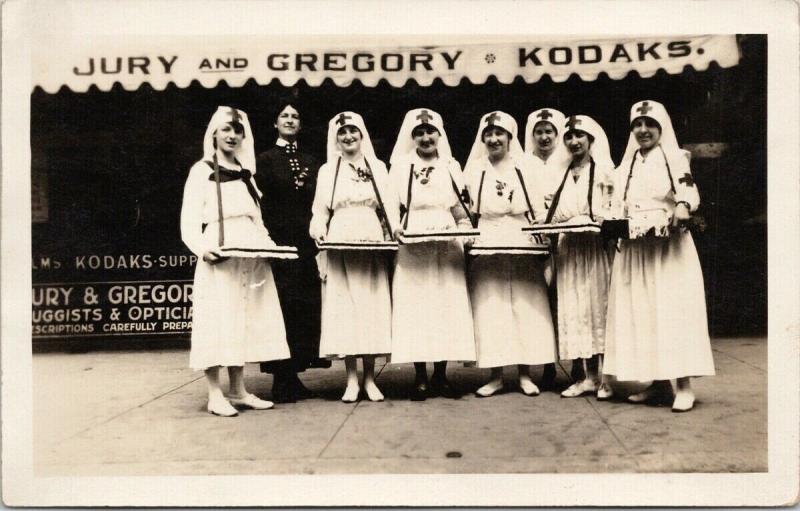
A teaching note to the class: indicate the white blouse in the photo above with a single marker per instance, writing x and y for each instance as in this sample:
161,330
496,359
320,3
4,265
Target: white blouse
574,198
649,186
502,192
200,205
433,185
547,173
352,189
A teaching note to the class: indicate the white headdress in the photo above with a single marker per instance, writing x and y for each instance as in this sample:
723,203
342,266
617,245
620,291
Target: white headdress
405,145
656,111
601,154
554,117
245,153
341,120
502,120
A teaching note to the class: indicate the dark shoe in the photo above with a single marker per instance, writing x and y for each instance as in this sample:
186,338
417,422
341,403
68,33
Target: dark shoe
283,397
298,390
320,363
654,395
282,391
664,398
443,388
419,392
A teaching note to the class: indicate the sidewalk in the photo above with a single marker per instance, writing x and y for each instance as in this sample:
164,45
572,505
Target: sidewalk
143,413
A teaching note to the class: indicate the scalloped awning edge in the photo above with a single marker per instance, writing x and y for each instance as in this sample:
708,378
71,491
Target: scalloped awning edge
181,62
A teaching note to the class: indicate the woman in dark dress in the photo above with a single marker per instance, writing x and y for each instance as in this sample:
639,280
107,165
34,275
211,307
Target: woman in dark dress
291,176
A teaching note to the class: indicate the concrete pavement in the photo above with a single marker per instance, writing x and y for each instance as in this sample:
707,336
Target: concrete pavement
143,413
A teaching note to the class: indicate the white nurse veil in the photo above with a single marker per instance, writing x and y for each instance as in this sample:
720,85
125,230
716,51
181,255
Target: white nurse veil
557,119
341,120
600,150
656,111
405,146
502,120
245,153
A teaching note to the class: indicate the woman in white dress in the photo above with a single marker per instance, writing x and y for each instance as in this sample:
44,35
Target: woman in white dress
431,314
547,157
582,263
510,308
657,328
354,201
237,316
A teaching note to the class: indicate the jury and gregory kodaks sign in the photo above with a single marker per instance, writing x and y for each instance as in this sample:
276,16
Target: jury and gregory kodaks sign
181,61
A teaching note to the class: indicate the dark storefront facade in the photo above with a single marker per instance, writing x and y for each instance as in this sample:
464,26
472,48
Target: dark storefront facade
108,169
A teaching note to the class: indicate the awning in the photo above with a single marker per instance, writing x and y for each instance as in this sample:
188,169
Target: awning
79,63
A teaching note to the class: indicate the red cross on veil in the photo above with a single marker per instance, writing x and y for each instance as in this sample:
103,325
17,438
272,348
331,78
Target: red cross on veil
492,118
544,115
235,117
342,119
424,117
644,108
572,122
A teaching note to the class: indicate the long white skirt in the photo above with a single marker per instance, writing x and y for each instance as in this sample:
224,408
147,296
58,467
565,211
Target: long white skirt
236,313
657,327
431,316
356,305
511,311
582,276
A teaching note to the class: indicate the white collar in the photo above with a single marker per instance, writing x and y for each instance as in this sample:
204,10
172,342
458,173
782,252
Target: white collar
435,161
359,162
281,142
655,150
543,160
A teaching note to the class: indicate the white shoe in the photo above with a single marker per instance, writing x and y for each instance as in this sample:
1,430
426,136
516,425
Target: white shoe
373,392
684,401
251,401
489,389
604,392
528,387
580,388
351,394
222,407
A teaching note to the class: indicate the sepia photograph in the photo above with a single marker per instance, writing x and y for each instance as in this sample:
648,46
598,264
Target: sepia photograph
394,265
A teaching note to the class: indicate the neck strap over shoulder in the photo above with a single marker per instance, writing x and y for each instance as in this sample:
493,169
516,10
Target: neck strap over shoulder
630,173
557,197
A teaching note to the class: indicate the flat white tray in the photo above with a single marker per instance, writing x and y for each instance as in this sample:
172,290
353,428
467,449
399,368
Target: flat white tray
562,228
357,245
276,252
535,250
443,235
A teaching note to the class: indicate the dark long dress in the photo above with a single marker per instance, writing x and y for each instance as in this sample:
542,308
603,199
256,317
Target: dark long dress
286,208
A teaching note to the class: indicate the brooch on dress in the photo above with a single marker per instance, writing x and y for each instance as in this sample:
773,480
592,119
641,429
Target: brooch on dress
423,175
362,175
501,186
300,178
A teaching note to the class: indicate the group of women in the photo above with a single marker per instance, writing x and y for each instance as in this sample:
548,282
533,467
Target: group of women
634,310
